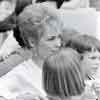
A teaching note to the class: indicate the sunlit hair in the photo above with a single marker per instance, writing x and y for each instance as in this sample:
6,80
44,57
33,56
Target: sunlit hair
83,43
13,9
34,21
62,74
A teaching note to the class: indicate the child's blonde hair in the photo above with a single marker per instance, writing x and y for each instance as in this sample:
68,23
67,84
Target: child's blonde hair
62,74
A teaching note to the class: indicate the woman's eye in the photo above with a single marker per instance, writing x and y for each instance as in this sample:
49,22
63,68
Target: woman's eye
94,57
51,38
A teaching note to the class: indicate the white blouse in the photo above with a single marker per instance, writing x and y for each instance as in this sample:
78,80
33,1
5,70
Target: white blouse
24,78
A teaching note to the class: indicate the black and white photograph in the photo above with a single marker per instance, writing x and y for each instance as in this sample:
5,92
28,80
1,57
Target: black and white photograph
49,49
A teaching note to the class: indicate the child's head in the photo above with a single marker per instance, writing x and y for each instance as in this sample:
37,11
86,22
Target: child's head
83,43
62,74
91,63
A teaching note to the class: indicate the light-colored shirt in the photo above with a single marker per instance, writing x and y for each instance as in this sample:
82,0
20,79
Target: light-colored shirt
24,78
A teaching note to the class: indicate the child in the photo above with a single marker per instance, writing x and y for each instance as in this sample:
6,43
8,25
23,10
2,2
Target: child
88,47
39,30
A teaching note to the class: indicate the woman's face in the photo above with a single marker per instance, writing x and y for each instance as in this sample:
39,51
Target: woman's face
91,62
52,41
49,44
52,37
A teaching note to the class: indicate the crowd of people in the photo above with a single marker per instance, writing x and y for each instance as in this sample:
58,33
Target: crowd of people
63,61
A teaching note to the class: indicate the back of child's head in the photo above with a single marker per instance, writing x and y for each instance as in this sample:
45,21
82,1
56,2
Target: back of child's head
62,74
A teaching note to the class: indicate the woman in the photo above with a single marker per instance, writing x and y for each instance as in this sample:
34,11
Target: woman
62,76
9,47
37,32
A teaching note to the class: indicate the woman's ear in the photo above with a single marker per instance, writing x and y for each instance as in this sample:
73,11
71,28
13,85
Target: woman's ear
31,42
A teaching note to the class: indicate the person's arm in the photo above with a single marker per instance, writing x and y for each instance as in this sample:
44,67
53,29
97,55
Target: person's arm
71,4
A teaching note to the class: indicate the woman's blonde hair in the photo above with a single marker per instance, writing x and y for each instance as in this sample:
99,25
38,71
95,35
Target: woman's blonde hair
33,20
62,74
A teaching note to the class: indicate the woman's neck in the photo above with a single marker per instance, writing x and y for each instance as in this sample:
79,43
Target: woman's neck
37,59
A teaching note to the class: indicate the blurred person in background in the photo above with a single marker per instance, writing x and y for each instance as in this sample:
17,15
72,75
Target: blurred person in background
88,47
